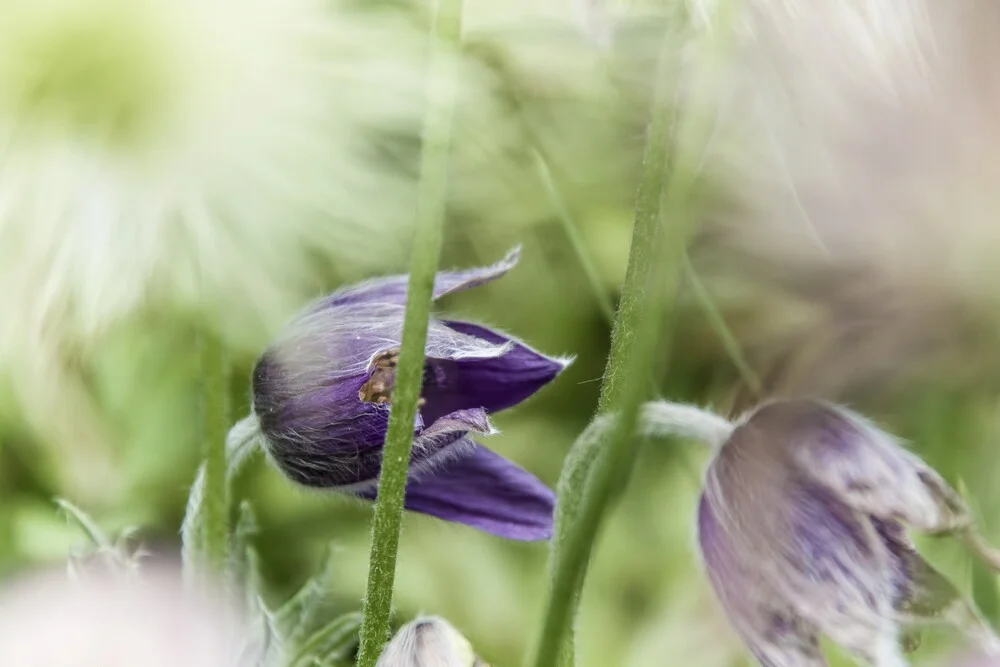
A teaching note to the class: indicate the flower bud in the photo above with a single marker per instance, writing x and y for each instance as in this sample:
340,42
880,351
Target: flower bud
323,391
429,642
803,530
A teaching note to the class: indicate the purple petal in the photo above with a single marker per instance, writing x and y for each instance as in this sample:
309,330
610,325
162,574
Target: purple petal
779,545
867,468
315,428
493,383
801,516
393,288
318,451
347,466
474,486
474,420
306,390
767,624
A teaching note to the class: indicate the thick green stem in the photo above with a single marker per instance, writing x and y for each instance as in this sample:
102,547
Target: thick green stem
632,343
663,215
215,421
431,210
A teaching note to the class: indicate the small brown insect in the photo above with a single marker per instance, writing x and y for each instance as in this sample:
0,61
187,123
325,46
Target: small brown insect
378,387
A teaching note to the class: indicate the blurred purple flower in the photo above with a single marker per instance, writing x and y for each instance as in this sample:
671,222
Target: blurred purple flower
801,527
322,394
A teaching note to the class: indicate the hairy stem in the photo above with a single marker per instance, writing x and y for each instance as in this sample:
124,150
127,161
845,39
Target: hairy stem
409,374
632,343
593,476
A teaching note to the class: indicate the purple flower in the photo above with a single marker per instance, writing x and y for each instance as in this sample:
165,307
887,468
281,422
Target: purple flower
322,394
801,528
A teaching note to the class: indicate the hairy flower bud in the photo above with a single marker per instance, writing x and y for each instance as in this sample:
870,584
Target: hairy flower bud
802,530
429,642
323,393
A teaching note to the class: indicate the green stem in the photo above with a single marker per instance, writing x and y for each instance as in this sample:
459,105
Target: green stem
431,210
574,236
215,421
632,342
718,324
654,272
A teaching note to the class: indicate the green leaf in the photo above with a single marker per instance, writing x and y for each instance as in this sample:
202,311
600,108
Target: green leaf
192,528
334,642
117,555
82,519
306,611
240,444
244,565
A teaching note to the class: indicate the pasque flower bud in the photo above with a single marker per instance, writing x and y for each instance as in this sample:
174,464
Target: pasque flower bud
429,642
802,527
323,393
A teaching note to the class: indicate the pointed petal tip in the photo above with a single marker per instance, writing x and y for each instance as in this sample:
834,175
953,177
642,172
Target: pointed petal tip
522,533
564,361
392,289
493,382
487,492
451,282
553,366
512,257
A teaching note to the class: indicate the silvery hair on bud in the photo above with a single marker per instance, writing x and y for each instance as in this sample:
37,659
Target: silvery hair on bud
429,642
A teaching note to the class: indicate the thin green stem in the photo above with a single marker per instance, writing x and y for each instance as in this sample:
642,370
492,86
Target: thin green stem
431,211
575,238
718,324
215,421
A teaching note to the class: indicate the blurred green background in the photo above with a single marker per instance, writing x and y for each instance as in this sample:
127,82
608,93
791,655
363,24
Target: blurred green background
546,155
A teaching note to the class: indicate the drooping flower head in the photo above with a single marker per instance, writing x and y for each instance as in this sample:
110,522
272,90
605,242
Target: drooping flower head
802,529
323,392
429,642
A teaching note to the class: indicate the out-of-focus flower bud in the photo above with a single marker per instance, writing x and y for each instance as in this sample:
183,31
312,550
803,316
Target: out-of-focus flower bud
802,527
429,642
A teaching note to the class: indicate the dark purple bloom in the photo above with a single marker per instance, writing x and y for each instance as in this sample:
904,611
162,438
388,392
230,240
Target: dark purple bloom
323,391
801,527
